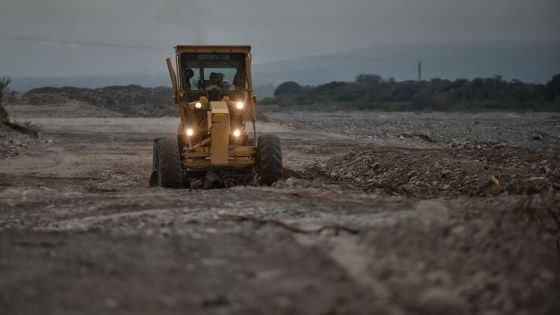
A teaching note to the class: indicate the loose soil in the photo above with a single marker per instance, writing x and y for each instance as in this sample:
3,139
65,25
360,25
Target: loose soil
378,214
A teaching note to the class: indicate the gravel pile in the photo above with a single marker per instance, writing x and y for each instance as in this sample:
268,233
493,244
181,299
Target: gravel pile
537,131
432,173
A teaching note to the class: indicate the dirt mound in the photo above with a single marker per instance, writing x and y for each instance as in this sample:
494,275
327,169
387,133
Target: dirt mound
13,137
131,100
3,114
11,97
39,99
432,173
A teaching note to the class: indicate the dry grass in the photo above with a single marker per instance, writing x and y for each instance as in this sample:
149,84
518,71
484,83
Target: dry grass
26,127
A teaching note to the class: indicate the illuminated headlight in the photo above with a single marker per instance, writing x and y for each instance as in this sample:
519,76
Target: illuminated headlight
240,105
198,105
237,133
189,132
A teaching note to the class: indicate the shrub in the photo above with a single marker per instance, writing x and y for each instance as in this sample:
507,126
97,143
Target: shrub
288,88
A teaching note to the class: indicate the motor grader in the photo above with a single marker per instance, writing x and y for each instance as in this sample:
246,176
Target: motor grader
213,90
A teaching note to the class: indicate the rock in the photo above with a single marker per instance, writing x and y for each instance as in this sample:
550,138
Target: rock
111,303
431,211
538,179
533,166
545,169
212,178
446,172
436,301
426,138
208,184
290,182
440,277
196,183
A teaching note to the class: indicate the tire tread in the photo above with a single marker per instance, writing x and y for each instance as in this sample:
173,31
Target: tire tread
270,159
170,172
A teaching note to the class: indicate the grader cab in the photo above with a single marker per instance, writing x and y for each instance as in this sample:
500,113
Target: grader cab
213,89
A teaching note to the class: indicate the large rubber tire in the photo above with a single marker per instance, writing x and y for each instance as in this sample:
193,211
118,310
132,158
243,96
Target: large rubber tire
168,164
269,159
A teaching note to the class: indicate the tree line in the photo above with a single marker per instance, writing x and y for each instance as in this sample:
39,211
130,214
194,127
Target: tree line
371,91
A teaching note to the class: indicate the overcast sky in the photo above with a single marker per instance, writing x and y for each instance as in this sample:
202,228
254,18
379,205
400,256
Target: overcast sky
276,29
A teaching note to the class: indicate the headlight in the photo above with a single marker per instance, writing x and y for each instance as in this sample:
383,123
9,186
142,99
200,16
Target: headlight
198,105
240,105
189,132
237,133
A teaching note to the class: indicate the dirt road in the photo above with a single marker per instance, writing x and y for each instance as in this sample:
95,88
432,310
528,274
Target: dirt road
81,232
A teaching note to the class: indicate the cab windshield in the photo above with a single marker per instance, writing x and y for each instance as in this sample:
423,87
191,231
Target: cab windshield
213,71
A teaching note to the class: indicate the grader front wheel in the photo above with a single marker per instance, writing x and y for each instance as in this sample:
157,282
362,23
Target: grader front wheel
269,159
167,164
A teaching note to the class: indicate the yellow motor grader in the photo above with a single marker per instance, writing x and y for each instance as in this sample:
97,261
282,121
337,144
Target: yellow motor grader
213,89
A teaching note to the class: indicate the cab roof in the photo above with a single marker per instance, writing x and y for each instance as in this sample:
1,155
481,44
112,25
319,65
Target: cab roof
245,49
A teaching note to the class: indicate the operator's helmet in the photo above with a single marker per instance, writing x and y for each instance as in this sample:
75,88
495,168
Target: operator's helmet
190,73
217,76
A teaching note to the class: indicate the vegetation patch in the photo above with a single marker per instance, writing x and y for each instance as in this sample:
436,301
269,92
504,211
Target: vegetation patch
370,91
26,127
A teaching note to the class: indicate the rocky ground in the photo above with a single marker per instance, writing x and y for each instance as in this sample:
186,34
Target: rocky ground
378,213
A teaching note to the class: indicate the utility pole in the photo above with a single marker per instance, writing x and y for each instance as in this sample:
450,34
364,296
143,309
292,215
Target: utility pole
419,70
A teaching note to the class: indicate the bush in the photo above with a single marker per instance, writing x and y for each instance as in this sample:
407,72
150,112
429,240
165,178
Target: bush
288,88
4,82
552,88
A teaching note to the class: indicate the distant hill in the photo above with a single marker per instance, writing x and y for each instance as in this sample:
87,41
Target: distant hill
527,61
23,84
130,100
